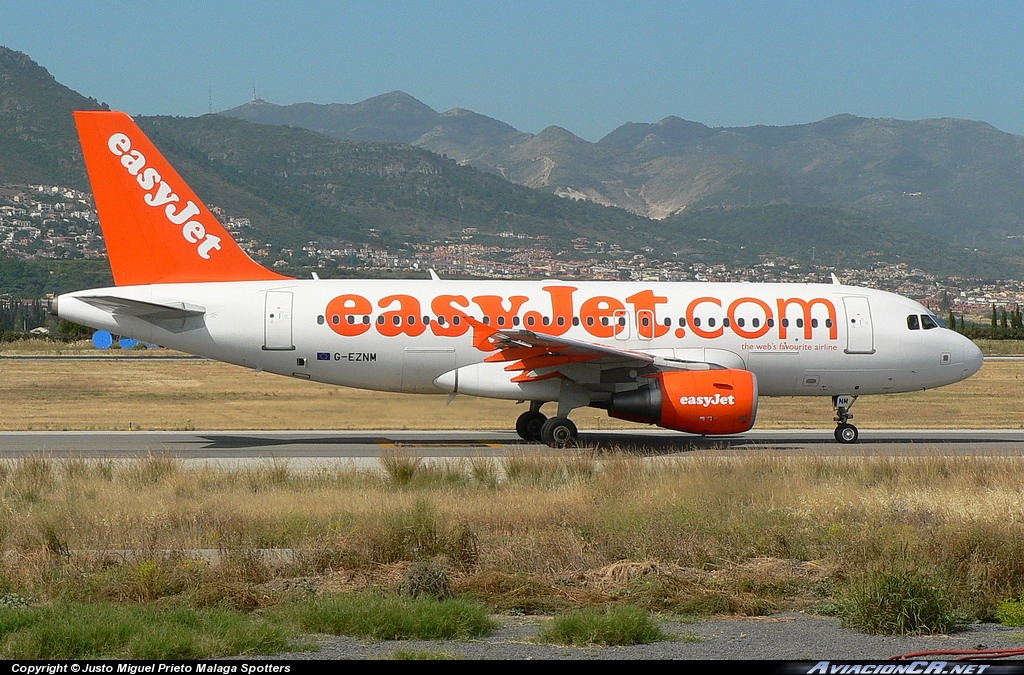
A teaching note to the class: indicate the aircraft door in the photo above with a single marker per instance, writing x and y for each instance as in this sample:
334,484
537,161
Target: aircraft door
860,337
277,333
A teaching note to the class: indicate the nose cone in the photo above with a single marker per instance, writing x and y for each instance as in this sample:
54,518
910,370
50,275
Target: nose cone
973,358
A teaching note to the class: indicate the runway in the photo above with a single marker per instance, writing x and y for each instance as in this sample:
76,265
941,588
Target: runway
310,448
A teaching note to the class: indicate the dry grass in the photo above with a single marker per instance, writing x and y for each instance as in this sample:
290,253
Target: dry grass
160,394
531,532
690,534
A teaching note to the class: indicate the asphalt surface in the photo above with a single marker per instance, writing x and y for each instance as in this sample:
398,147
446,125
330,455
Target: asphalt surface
313,447
784,637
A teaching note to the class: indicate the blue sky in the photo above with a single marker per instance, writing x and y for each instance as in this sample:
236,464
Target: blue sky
585,66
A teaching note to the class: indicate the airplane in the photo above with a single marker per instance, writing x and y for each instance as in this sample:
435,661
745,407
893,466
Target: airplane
693,357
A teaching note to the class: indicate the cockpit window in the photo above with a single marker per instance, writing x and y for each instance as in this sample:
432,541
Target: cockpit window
912,322
928,322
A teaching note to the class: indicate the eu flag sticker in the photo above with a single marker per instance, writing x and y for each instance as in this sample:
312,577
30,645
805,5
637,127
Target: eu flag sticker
323,356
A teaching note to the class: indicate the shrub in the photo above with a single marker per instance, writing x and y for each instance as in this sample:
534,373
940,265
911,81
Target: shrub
618,625
902,602
426,579
1010,613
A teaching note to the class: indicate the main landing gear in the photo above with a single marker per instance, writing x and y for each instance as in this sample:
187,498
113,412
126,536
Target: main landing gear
557,432
845,432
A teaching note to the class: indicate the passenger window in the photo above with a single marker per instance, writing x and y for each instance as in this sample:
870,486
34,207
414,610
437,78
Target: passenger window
927,322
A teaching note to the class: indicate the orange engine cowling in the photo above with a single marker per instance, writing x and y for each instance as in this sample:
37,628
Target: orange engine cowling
695,401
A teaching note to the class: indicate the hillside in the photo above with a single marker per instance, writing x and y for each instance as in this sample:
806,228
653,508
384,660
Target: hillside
296,186
955,180
720,195
299,186
37,137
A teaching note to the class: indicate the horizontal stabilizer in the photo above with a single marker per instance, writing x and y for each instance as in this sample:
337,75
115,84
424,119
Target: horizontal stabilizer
176,317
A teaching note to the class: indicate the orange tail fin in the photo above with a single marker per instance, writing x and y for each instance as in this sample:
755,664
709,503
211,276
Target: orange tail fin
155,228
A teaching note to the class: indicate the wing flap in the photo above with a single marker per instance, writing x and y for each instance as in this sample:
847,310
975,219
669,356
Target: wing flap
537,356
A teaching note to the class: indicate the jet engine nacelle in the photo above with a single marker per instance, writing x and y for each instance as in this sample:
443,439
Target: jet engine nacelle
695,401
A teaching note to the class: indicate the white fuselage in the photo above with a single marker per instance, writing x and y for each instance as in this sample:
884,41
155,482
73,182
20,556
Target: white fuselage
414,336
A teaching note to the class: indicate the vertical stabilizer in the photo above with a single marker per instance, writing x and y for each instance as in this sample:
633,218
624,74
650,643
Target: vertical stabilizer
155,228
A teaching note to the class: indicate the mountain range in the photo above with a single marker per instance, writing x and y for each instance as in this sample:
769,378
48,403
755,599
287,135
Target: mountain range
958,180
392,170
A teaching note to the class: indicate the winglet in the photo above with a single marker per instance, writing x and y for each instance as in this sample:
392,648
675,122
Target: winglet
155,228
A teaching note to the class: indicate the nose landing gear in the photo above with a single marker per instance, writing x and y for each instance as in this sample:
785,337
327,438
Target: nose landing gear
845,432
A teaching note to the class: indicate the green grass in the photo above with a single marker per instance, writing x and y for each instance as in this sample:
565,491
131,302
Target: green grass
615,626
901,602
380,616
103,631
134,631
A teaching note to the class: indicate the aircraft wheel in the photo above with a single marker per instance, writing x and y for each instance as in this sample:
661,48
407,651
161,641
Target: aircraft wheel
559,432
529,424
847,433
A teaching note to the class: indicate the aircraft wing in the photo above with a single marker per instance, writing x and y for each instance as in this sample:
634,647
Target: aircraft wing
176,317
539,356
